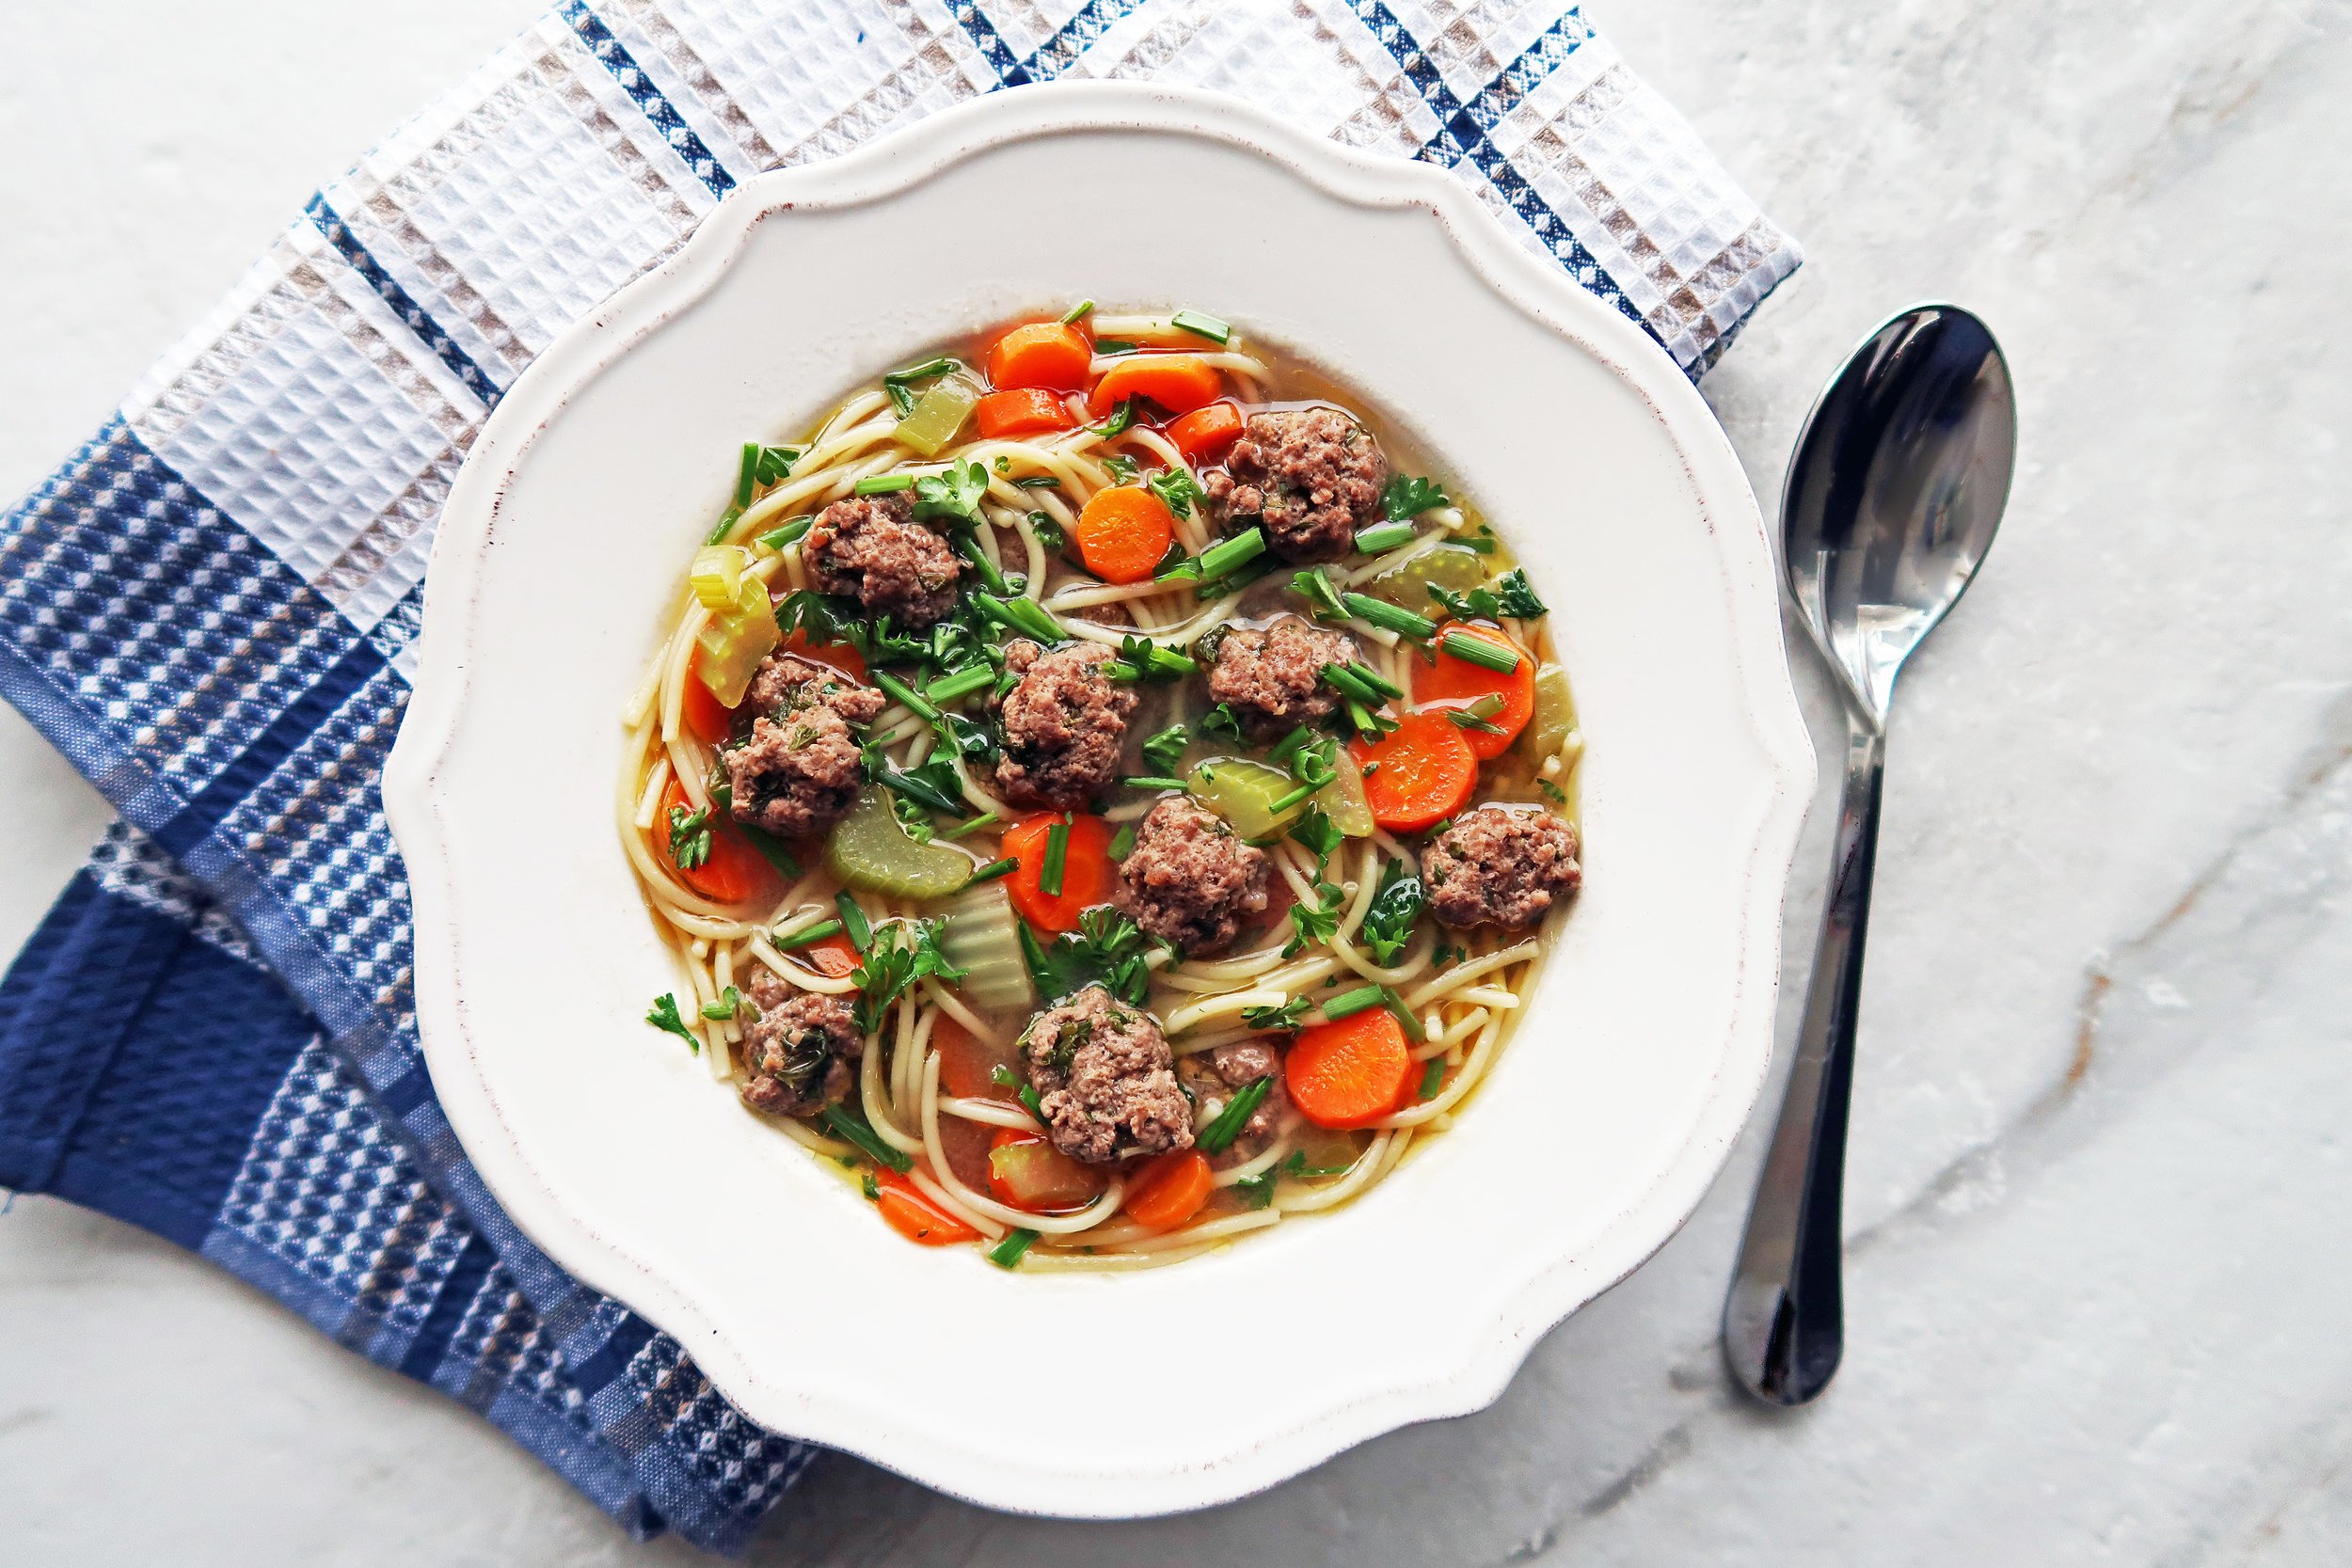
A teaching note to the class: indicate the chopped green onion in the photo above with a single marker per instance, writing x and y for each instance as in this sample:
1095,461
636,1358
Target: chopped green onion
993,870
1353,684
853,920
1433,1078
1388,617
1219,1135
1039,482
1226,554
948,688
1383,537
1202,325
1056,852
1323,600
1008,1253
790,534
899,690
881,484
816,933
1077,312
1404,1016
1349,1002
960,829
1152,780
1124,841
853,1128
1375,679
725,526
1108,346
1026,616
747,476
1121,416
1287,801
1477,650
936,365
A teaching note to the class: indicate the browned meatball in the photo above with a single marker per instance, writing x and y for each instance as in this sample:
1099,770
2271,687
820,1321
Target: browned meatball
1273,678
1064,723
784,680
1500,865
797,1055
1105,1079
1189,881
1214,1077
798,770
871,548
1310,477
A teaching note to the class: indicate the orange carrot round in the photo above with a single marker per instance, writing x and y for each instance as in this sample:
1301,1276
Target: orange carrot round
1086,871
1026,411
1418,774
1179,383
1123,533
913,1215
1456,683
1040,354
1203,435
733,872
1169,1190
1350,1073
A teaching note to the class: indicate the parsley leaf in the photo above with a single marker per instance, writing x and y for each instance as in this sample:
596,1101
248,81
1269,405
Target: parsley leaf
1315,924
690,837
1221,721
1510,597
892,965
1175,488
933,785
1165,751
1396,906
1404,497
1108,949
1144,660
666,1016
1318,832
1289,1015
1322,598
1122,469
954,495
730,1005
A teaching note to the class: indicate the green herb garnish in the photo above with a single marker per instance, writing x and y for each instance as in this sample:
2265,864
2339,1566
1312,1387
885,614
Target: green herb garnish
1056,857
1510,597
690,837
850,1126
1008,1253
1227,1124
666,1016
1404,498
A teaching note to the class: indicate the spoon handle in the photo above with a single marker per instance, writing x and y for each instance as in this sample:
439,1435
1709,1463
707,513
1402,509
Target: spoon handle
1783,1322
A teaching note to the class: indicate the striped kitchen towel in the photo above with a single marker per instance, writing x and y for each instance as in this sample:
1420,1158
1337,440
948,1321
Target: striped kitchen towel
211,609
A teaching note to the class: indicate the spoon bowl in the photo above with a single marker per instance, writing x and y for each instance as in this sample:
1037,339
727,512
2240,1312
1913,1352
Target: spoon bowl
1892,496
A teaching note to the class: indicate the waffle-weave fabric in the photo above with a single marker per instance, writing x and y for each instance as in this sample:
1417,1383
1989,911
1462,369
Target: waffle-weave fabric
211,607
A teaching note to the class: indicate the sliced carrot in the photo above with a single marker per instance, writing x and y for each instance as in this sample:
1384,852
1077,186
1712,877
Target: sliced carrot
832,956
839,655
1086,871
1040,354
1024,412
1350,1073
1420,773
1169,1190
913,1215
1123,533
1203,435
733,872
1029,1173
1179,383
968,1064
1456,683
700,711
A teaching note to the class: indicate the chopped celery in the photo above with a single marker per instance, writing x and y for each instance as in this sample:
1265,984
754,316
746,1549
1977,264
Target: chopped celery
1246,794
717,576
938,415
735,640
982,937
1448,567
1342,800
1555,713
871,850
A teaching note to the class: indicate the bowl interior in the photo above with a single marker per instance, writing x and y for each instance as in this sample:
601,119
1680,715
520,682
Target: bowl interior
1605,1116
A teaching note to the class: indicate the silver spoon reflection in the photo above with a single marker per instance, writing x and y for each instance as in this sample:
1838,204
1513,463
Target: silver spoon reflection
1896,486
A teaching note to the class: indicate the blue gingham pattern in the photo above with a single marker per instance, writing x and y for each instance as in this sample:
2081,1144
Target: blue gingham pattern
211,609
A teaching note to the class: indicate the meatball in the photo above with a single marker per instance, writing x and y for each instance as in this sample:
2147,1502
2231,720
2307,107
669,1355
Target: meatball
1214,1077
1189,881
1065,722
797,1053
786,680
1310,477
1273,678
1500,865
1105,1079
871,548
796,774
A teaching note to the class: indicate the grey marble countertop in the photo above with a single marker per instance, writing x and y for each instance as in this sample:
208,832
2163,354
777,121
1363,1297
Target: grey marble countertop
2101,1183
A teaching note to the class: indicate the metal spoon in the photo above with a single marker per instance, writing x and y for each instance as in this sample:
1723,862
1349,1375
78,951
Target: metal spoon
1892,496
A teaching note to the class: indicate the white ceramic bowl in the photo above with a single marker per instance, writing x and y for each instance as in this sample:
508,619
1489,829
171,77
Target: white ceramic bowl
561,553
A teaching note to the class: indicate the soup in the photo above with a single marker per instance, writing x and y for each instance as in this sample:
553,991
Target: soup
1104,795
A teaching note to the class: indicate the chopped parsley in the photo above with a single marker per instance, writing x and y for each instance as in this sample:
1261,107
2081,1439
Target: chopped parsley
1221,721
1108,949
1165,751
730,1005
1319,834
1142,661
1177,489
893,963
664,1016
690,837
1396,907
1289,1015
1318,924
1405,498
1511,598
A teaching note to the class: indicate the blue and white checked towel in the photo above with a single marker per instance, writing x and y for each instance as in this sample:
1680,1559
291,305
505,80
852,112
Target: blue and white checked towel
210,609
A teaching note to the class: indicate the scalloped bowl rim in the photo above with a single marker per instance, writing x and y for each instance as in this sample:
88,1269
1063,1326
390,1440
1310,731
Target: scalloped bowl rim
1550,1283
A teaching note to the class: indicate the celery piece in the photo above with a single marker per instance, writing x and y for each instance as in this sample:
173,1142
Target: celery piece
1245,794
1555,713
981,937
870,850
938,415
717,576
733,640
1342,800
1448,567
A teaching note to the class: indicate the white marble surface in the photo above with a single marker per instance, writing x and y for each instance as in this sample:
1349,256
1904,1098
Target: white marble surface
2100,1196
